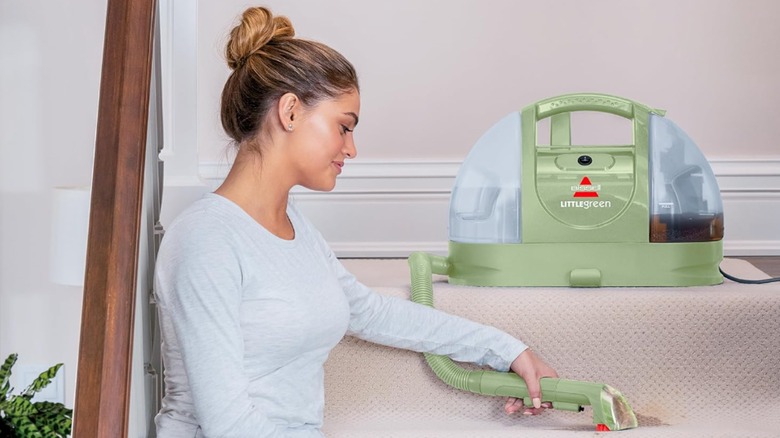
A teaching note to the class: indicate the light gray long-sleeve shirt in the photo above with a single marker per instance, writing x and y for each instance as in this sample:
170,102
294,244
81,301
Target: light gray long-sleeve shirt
248,320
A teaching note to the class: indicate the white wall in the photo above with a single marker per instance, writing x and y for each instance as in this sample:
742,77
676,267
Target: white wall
50,59
436,74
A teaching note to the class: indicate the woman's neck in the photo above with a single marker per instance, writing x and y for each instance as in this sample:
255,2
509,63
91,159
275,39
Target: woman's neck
258,187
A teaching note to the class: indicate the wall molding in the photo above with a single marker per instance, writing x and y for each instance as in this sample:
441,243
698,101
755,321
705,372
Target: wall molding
390,208
179,62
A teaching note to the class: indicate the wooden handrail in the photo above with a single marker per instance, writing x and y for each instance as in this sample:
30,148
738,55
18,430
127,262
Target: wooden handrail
106,342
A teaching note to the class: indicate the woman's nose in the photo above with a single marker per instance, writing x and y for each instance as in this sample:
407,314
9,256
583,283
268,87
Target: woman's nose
350,149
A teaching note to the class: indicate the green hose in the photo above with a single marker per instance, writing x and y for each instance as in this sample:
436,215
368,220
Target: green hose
610,407
423,266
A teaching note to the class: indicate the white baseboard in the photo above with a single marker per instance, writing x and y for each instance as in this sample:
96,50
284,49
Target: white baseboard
393,208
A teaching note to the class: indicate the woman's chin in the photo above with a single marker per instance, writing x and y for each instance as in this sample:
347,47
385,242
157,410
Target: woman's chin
324,186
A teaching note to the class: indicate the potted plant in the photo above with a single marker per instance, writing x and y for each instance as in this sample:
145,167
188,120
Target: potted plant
23,418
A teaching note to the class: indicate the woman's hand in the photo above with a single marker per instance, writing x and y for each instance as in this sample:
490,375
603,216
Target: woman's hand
531,369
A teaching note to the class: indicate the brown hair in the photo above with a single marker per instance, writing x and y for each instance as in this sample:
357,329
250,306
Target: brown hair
267,62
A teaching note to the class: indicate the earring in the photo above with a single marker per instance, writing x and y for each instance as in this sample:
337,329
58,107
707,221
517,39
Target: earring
289,127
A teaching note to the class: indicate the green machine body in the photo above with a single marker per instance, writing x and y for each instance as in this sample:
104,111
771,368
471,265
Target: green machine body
647,213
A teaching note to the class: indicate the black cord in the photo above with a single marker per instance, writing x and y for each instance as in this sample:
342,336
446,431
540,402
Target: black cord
742,280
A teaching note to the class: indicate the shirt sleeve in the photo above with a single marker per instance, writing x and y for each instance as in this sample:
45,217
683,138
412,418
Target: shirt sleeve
198,285
405,324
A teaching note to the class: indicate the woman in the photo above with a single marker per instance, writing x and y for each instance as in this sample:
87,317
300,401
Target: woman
251,298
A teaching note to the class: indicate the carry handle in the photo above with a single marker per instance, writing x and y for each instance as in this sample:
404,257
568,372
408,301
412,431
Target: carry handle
591,102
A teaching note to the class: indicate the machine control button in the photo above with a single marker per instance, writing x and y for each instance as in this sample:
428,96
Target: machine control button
585,160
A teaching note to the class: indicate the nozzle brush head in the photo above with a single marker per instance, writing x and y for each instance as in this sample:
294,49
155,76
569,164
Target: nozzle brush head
616,411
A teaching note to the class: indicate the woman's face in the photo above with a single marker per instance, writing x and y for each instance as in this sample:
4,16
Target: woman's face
323,140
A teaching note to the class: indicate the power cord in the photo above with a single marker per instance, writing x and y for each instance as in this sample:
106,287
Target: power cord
742,280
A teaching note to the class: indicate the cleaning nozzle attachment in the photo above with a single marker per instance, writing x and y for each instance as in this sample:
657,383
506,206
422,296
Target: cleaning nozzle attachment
610,408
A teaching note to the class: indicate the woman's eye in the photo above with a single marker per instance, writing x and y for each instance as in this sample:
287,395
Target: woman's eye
344,129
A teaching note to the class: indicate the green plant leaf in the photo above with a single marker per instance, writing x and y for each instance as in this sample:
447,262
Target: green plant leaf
25,428
20,407
5,375
46,407
21,418
55,416
52,428
5,389
42,381
61,425
46,431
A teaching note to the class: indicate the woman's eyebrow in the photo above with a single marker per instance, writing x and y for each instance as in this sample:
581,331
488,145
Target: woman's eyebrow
354,116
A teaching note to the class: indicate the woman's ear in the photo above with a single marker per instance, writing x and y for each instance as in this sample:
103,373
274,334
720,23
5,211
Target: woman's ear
289,106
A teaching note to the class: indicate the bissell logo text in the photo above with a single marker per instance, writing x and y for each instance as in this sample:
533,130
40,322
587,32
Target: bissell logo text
586,190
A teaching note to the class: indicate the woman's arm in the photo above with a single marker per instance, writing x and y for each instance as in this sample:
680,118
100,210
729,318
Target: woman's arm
404,324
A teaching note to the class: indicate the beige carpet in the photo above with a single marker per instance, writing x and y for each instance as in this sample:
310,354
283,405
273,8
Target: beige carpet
693,362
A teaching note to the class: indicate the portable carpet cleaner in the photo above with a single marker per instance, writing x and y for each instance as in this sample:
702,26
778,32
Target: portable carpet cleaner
525,214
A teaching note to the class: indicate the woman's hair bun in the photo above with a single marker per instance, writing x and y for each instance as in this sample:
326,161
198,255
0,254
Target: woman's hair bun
258,26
